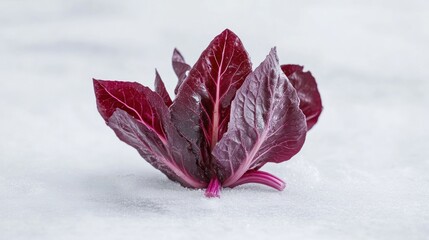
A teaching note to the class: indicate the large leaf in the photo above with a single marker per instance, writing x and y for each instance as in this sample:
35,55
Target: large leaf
161,90
141,119
180,67
208,91
266,123
306,87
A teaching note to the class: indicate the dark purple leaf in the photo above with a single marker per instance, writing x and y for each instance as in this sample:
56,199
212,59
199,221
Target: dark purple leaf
180,68
140,118
193,107
213,80
306,87
128,96
160,89
266,123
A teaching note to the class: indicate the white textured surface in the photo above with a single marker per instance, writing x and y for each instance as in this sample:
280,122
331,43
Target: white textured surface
362,174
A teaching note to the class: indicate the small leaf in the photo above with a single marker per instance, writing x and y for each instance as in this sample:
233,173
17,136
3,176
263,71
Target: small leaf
306,87
180,67
160,89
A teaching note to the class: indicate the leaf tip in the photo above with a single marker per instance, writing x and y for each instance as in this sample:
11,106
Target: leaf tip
227,30
157,74
273,53
96,84
177,56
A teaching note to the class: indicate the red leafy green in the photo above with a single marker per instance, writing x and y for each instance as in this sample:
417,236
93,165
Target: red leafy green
226,121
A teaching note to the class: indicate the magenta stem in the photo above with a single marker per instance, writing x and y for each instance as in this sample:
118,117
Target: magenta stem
256,176
213,189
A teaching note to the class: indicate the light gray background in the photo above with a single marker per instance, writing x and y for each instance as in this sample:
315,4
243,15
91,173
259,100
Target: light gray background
362,174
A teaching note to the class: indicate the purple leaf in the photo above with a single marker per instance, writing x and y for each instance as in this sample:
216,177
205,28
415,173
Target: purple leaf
180,67
306,87
160,89
193,107
140,118
131,97
214,79
266,125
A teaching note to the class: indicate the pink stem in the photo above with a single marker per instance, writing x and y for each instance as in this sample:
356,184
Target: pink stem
255,176
213,190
